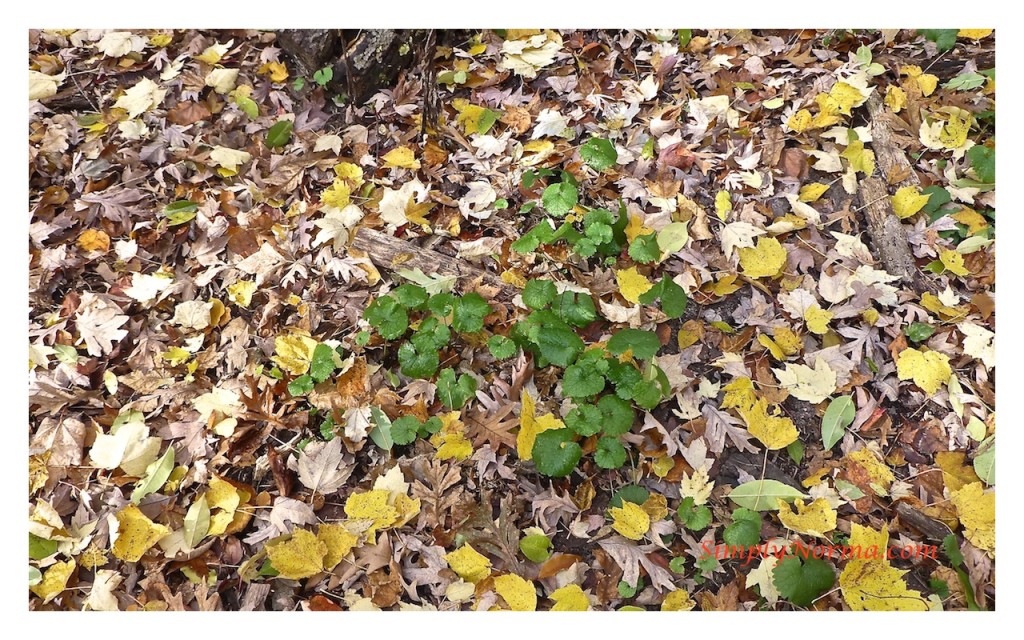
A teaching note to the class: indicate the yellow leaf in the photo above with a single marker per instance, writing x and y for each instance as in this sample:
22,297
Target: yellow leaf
765,260
954,133
879,475
929,370
974,34
739,394
977,512
224,499
925,82
215,52
815,519
869,582
54,580
635,228
974,221
661,466
352,174
698,486
136,534
895,98
469,564
630,520
931,302
469,115
908,201
300,556
817,319
372,505
241,293
799,121
678,600
774,432
175,356
955,474
94,240
861,159
571,597
338,541
723,205
847,97
726,285
632,284
401,157
656,506
293,352
451,440
530,425
337,195
954,262
811,192
160,40
277,71
520,594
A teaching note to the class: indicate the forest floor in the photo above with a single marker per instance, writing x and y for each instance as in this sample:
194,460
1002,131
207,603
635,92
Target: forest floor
637,304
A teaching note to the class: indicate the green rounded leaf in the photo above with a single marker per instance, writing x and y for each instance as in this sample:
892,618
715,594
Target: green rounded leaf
454,392
802,582
536,547
584,420
469,312
617,416
555,453
388,317
838,416
405,429
559,198
643,343
538,294
501,347
610,453
599,153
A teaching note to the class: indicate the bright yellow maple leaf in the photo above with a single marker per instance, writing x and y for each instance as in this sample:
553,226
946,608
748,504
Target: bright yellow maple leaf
895,98
774,432
94,240
401,157
469,564
908,201
450,440
678,600
926,83
241,292
54,580
817,319
974,221
958,124
953,260
974,34
338,540
136,534
799,121
224,500
372,505
635,227
519,593
632,284
861,159
630,520
293,352
338,195
739,394
929,370
814,519
765,260
847,97
298,556
811,192
977,512
571,597
869,582
277,71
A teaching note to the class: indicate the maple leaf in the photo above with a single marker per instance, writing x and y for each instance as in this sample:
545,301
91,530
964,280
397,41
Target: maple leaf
869,582
98,321
322,467
807,384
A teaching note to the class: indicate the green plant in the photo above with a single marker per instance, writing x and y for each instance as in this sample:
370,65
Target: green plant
801,582
693,516
745,530
323,76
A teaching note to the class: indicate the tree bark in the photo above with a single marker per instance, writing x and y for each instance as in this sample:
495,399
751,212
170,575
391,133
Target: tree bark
364,61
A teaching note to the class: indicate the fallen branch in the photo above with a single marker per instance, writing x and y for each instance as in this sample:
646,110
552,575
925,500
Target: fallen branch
393,253
887,232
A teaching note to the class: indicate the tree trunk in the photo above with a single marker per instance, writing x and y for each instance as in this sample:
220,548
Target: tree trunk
364,61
